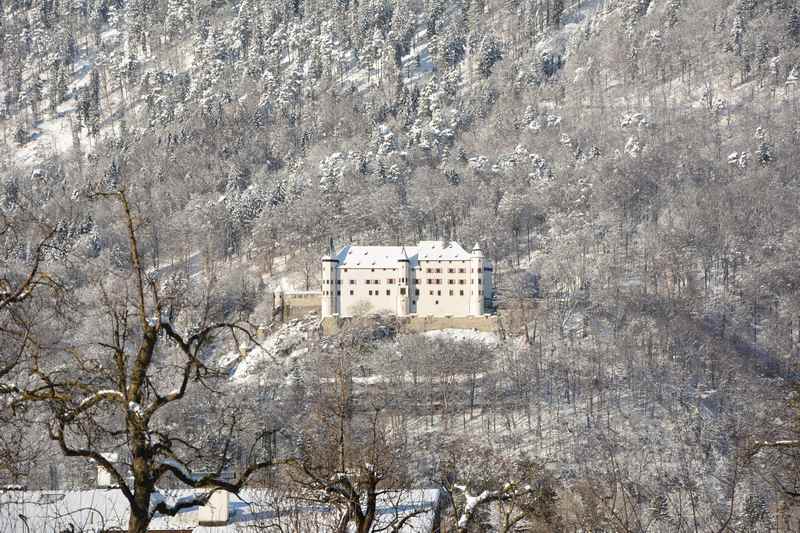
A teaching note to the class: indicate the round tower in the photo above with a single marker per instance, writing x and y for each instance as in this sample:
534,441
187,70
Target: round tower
403,275
330,266
476,281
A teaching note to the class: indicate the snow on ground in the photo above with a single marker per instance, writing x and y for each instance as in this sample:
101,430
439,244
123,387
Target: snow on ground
573,18
487,337
52,135
99,510
278,351
416,65
421,67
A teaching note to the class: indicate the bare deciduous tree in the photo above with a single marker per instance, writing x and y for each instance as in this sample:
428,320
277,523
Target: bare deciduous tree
108,394
349,458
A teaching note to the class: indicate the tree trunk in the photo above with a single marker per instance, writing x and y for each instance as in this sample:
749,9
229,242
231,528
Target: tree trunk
143,486
365,522
140,510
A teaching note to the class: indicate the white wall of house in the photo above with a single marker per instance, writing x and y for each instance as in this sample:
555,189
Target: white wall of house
368,290
444,288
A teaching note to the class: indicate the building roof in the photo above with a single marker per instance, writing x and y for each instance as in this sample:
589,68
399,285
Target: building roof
388,256
101,510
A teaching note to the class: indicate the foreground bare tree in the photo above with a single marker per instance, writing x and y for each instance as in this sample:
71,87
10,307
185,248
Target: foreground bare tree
17,285
479,479
349,457
113,392
22,280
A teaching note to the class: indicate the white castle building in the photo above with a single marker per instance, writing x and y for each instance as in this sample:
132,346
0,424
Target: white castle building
433,278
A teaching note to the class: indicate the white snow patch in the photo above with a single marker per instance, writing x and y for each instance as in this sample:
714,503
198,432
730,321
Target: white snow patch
106,394
136,408
487,337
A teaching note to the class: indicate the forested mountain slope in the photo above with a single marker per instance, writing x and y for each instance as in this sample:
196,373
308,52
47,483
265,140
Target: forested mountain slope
629,166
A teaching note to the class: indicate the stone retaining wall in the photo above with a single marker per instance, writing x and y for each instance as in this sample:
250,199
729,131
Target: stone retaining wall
420,324
298,305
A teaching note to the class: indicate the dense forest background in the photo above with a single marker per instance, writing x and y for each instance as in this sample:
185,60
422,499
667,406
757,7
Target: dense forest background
629,166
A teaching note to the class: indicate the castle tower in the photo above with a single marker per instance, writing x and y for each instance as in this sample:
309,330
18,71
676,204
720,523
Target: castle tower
403,281
476,281
330,267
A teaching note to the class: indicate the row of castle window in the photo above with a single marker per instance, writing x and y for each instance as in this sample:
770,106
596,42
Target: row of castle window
390,281
416,292
434,270
450,270
403,292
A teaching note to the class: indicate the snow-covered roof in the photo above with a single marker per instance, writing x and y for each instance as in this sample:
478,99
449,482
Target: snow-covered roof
388,256
441,251
95,511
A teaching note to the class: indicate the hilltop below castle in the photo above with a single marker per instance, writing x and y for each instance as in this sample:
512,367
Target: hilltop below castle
434,278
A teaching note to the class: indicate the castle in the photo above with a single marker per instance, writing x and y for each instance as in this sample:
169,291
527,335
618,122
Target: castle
433,278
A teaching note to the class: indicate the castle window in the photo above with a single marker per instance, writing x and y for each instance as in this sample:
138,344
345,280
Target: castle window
451,282
438,270
450,270
438,281
479,281
416,292
431,293
388,292
414,302
370,293
345,270
480,291
338,293
436,302
438,293
428,270
430,281
377,282
390,281
461,282
402,291
338,282
372,270
352,282
368,282
460,271
451,292
461,292
480,270
351,293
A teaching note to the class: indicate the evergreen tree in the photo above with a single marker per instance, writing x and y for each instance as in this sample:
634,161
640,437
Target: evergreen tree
452,46
793,25
489,53
34,93
737,35
57,86
556,10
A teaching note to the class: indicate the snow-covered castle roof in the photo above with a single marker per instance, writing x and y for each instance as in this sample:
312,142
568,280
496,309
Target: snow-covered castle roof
388,256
